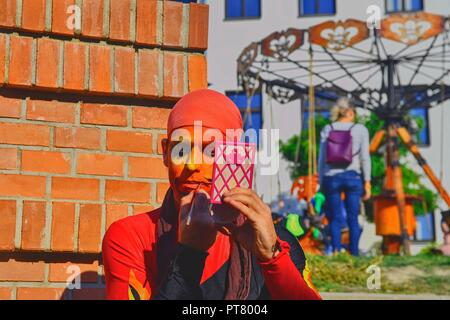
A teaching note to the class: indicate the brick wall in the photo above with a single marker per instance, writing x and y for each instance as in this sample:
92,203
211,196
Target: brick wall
83,106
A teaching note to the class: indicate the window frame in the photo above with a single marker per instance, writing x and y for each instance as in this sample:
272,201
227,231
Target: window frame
243,17
259,109
317,7
403,2
414,237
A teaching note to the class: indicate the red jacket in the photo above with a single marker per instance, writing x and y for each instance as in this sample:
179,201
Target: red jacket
131,263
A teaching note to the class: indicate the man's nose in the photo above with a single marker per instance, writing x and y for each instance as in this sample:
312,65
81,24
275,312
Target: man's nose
194,159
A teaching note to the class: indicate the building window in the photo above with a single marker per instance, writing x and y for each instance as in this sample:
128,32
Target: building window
425,230
317,7
242,9
393,6
252,119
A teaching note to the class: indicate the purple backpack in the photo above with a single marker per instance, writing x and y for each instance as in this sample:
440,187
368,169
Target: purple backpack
339,147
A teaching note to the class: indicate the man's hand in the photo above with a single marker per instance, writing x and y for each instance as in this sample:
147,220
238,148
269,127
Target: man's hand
257,234
197,229
367,191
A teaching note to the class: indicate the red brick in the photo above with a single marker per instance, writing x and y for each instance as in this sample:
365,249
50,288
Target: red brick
148,72
150,118
128,141
61,271
146,21
124,70
99,68
33,15
47,63
5,293
53,111
173,74
159,147
61,16
89,294
83,138
115,212
7,13
63,224
172,23
100,164
75,188
20,61
161,190
92,18
33,225
24,293
45,161
89,232
2,57
197,70
10,107
140,167
138,209
12,270
74,65
198,26
8,225
25,134
104,114
127,191
119,26
8,158
21,185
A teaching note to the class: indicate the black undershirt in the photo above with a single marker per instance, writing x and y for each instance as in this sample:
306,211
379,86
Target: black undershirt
182,281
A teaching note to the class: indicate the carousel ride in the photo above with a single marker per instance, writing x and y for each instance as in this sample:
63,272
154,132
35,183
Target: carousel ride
388,69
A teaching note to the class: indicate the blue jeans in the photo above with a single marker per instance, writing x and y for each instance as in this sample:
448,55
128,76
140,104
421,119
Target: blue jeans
351,184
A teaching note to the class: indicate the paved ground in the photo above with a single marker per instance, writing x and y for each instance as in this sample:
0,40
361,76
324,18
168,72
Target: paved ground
379,296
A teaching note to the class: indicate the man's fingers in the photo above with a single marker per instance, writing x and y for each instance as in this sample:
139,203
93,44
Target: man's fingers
239,190
201,200
246,211
248,200
185,204
187,199
200,209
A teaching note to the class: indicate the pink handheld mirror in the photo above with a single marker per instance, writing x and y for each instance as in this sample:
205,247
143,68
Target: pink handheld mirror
234,164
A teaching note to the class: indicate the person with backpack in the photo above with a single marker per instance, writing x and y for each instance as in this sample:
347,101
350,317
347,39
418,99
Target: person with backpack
344,167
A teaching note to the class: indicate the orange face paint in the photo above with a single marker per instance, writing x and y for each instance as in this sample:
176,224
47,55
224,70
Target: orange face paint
191,167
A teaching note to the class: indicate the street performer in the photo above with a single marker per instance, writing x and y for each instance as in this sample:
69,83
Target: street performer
181,251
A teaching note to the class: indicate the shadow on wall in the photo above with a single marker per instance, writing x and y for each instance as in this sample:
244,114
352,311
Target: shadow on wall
87,290
53,275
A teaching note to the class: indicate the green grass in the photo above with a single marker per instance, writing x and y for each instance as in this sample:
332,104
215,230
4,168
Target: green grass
423,273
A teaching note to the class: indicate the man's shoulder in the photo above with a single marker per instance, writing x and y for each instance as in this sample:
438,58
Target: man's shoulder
136,226
139,220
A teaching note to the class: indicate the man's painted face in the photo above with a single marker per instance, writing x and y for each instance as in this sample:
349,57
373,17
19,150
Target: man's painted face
189,161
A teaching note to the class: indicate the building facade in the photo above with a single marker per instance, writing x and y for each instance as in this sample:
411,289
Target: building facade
234,24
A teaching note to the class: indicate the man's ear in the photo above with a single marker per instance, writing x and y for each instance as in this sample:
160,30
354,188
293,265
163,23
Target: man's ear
165,148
